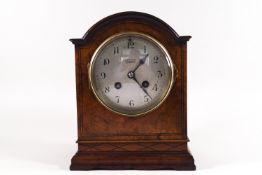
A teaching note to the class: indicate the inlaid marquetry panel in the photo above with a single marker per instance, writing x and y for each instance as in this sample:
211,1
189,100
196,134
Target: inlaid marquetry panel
98,147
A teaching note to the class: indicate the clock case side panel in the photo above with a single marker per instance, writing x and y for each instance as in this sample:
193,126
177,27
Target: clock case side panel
184,85
79,96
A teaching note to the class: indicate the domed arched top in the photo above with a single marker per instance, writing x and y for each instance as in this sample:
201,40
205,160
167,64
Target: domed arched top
129,16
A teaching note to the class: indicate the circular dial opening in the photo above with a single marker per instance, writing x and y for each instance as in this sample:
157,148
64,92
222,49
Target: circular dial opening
131,73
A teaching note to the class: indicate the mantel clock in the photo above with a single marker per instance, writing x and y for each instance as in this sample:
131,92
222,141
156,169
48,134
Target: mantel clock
131,84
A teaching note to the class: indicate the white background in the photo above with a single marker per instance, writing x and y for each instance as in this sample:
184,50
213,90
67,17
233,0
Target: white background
37,81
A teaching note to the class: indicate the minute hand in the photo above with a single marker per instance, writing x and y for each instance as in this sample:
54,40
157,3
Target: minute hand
145,91
142,61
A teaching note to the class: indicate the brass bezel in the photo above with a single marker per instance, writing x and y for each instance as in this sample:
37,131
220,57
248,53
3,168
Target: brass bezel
167,56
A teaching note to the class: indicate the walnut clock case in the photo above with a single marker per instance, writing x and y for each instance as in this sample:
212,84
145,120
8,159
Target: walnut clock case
131,81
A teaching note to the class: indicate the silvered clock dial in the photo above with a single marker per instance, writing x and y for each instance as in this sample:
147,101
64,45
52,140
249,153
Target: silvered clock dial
131,73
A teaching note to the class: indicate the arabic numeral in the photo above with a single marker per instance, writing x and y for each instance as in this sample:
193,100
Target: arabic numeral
131,103
116,50
144,49
146,98
156,59
106,61
107,89
159,74
130,43
103,75
117,99
155,88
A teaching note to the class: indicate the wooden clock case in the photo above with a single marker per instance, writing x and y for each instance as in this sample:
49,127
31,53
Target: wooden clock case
156,140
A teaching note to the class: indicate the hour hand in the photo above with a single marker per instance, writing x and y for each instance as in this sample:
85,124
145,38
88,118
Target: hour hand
141,61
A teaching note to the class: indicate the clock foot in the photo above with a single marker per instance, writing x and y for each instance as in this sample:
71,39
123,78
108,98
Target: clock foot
133,161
